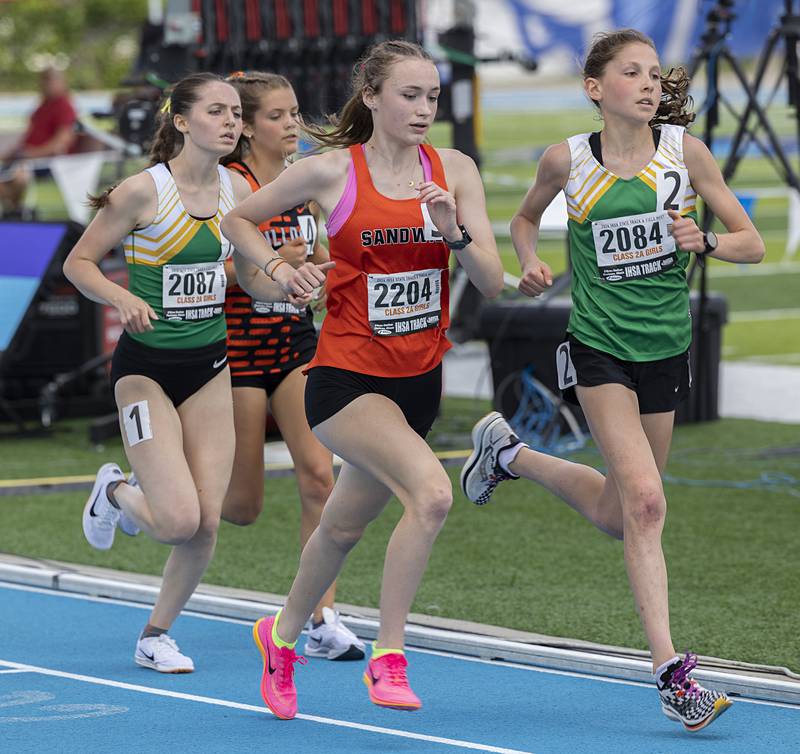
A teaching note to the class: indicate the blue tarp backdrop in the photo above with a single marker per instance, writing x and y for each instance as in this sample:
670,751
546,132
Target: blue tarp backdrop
551,26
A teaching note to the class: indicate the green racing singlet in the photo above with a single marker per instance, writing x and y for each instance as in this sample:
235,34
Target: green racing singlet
630,297
176,265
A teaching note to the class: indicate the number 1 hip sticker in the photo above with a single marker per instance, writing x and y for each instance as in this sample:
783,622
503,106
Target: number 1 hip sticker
136,418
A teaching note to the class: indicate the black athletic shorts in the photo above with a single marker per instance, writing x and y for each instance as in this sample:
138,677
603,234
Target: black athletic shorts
180,372
330,389
659,385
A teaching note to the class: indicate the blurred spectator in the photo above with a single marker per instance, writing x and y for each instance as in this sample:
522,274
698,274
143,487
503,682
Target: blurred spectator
51,131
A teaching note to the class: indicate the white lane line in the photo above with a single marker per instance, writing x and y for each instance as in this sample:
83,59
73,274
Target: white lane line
14,670
262,710
761,315
435,652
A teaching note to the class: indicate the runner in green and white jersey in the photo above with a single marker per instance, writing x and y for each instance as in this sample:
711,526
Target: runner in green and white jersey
169,370
631,191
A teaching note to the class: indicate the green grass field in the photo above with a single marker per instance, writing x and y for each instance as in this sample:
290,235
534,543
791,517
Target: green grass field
525,561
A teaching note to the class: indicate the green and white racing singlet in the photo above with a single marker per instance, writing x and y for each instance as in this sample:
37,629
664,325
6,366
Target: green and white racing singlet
176,265
629,291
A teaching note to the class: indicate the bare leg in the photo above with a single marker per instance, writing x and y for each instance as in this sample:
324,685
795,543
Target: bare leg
183,479
313,462
406,467
613,415
244,498
593,495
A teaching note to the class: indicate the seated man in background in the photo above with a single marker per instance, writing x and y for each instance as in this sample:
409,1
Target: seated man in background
50,132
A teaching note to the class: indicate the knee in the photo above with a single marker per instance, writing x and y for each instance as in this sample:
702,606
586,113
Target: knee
343,538
647,508
242,511
180,526
207,530
432,503
315,486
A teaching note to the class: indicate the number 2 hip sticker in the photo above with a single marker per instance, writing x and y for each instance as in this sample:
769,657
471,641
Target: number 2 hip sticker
567,377
136,420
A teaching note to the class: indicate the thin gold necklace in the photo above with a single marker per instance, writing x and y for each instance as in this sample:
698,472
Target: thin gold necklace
411,183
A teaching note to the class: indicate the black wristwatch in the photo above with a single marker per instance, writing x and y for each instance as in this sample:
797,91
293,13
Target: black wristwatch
711,242
465,240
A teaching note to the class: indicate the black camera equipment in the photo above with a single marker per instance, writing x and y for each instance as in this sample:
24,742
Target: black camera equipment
712,53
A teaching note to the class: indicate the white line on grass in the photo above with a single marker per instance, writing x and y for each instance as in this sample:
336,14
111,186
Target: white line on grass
763,315
253,708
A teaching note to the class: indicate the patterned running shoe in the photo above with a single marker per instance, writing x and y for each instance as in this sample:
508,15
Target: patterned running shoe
332,640
482,471
277,677
127,525
99,516
388,684
684,700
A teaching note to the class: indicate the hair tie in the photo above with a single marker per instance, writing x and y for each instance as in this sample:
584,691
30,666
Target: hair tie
236,75
166,108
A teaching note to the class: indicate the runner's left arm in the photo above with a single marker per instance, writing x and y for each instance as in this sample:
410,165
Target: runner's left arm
465,205
742,243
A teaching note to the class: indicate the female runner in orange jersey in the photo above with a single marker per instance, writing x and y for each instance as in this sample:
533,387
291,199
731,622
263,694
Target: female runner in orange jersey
395,208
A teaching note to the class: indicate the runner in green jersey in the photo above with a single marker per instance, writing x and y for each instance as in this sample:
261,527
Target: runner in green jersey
630,192
171,381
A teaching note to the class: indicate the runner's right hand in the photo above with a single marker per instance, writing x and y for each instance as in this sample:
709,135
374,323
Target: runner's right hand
134,313
536,278
299,284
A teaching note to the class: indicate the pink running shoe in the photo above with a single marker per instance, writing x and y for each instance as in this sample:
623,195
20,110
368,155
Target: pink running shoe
277,677
388,685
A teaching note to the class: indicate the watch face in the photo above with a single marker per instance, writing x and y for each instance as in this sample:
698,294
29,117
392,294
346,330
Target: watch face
711,240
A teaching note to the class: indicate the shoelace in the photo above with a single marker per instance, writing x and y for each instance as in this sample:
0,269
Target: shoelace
285,666
680,676
493,480
396,670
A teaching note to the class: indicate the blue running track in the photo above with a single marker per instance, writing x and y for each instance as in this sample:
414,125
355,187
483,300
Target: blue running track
68,683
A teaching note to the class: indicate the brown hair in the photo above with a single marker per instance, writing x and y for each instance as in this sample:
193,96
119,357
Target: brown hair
168,140
251,85
675,106
353,124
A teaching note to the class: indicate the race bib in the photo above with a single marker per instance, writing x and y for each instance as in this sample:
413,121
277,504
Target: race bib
632,247
193,291
277,308
404,302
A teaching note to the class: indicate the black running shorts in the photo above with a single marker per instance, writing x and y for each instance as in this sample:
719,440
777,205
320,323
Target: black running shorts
330,389
180,372
659,385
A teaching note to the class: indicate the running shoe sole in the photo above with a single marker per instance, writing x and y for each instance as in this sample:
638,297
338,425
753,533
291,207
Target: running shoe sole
719,707
478,432
387,705
351,653
145,663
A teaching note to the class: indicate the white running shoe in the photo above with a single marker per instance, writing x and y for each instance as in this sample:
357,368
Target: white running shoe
161,653
482,471
126,525
332,640
99,516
